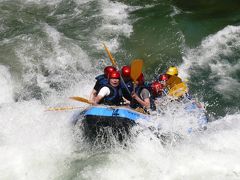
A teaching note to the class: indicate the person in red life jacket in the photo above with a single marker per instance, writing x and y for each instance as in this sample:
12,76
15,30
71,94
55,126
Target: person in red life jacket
156,90
110,94
127,85
141,96
169,79
163,80
102,80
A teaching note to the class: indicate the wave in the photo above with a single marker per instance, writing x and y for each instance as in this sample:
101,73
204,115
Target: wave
6,85
218,53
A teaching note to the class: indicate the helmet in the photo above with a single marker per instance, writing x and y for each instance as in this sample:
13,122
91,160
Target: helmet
172,70
163,77
108,70
156,87
126,71
114,75
140,79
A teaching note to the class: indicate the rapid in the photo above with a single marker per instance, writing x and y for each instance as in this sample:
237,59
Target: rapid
51,50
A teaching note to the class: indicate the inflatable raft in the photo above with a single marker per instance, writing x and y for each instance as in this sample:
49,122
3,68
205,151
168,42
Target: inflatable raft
96,119
193,107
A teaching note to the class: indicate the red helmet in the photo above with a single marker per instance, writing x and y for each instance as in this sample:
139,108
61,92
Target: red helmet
126,71
156,87
114,75
140,79
108,70
163,77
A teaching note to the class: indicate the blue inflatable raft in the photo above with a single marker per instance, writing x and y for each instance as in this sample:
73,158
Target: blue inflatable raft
113,113
202,118
116,119
119,120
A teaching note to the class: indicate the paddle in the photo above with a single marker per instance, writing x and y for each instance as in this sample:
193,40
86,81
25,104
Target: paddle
77,98
110,56
136,70
115,65
178,90
61,108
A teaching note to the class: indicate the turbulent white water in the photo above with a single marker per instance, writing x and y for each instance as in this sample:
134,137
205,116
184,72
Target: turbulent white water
39,144
210,155
6,84
216,52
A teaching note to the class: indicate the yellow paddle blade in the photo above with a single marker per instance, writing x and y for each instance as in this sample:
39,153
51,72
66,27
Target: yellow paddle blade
178,90
136,68
110,56
173,80
61,108
77,98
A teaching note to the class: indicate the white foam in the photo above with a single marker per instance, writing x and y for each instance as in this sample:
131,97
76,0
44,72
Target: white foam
176,11
63,61
6,85
115,23
214,52
80,2
229,87
66,53
33,142
213,154
49,2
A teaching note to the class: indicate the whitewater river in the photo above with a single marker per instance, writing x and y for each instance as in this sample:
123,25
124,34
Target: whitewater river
52,49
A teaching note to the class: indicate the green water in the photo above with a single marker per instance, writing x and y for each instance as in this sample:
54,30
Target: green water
161,33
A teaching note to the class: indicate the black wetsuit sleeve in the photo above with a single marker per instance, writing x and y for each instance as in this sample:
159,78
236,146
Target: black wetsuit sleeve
97,86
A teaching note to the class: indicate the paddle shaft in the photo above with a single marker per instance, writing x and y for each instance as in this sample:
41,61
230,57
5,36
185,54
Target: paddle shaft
81,99
121,78
116,66
62,108
77,98
110,56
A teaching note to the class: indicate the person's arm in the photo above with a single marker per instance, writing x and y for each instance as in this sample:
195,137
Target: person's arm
93,96
126,102
94,92
145,94
105,91
145,101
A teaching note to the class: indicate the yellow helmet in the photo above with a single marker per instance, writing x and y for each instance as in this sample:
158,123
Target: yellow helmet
172,71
